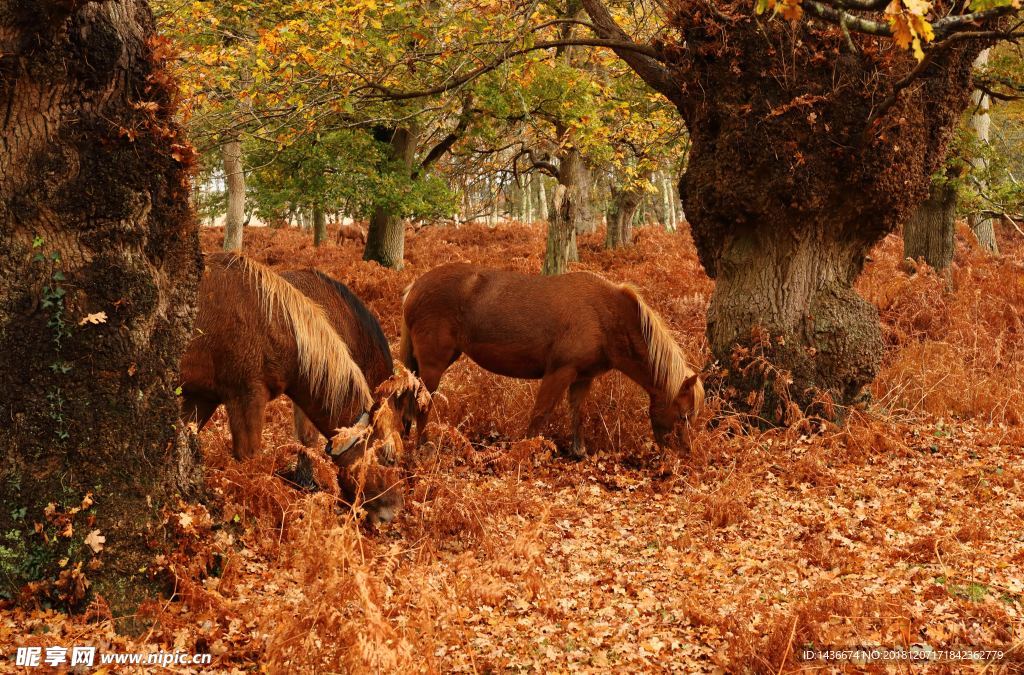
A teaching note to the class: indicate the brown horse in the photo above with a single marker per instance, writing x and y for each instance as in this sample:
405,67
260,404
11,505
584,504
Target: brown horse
358,328
351,231
565,330
257,337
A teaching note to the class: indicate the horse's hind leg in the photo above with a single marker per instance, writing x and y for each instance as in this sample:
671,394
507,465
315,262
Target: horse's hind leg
578,391
245,416
551,389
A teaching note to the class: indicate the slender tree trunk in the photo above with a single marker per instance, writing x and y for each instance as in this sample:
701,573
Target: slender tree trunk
319,225
929,234
234,176
528,199
99,265
625,203
561,242
571,177
542,198
385,239
983,225
587,217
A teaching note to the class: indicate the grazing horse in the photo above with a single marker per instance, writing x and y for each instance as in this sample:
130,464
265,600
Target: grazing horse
351,231
565,330
356,325
256,337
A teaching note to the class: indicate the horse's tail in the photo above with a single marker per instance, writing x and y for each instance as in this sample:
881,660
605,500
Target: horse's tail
323,356
405,350
665,357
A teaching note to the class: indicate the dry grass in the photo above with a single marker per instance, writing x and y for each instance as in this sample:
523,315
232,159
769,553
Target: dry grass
901,527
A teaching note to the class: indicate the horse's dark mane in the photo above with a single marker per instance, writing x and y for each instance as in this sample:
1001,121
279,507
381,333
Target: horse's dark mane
363,314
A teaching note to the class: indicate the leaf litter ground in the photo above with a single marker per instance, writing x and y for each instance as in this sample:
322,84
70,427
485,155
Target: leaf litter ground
902,527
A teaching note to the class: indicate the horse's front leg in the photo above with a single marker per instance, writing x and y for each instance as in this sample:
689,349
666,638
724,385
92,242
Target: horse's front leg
245,417
197,409
305,432
578,392
552,387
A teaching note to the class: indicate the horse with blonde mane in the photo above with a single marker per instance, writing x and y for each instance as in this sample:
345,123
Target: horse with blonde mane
257,336
565,330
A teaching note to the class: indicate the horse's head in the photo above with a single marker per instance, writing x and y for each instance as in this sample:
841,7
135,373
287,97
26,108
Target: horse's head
368,454
666,414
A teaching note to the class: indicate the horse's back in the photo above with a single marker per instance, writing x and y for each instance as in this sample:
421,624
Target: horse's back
513,323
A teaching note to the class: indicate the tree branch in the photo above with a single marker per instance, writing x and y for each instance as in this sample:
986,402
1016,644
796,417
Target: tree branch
648,64
396,95
448,141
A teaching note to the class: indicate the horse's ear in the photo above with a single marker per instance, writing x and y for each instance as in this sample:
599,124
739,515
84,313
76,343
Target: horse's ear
689,383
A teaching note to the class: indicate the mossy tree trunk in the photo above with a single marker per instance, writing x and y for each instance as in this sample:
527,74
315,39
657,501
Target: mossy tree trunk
790,181
929,233
99,265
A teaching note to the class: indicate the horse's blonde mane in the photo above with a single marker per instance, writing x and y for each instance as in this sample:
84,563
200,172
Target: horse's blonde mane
665,356
324,357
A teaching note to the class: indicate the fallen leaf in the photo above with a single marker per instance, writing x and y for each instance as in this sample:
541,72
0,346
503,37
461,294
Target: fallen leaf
95,318
95,541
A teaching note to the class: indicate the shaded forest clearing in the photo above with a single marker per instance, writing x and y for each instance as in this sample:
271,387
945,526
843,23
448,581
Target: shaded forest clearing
903,527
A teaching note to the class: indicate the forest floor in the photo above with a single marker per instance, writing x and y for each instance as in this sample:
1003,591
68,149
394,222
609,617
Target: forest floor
903,527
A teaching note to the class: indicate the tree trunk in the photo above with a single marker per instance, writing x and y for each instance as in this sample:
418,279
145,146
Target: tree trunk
99,266
625,203
787,193
235,178
982,224
385,239
528,199
319,225
572,178
929,232
561,242
542,198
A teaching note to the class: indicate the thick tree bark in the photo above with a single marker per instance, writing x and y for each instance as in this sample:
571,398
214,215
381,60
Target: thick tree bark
99,265
982,224
234,176
790,182
319,225
929,233
385,239
561,242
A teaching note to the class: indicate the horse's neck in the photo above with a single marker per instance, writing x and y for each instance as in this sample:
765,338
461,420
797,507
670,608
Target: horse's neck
633,362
